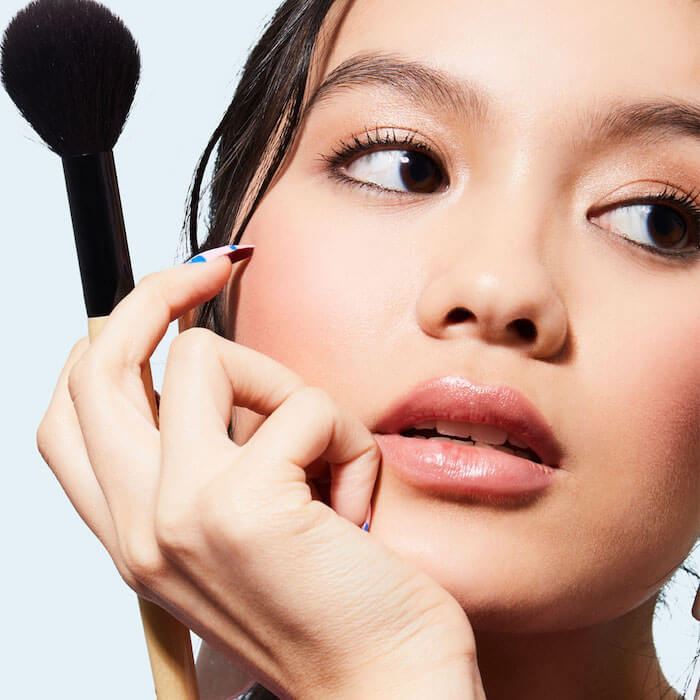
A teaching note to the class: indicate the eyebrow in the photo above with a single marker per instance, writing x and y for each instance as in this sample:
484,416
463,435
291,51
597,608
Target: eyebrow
434,88
417,81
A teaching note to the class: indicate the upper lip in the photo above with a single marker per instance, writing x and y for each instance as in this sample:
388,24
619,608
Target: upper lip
457,399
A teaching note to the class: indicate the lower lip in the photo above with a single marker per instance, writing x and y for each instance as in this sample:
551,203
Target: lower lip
449,469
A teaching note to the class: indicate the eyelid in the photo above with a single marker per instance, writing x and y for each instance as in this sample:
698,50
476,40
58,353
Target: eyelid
674,198
383,138
430,147
637,195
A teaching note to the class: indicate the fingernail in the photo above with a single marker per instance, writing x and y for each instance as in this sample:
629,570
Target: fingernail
368,518
235,252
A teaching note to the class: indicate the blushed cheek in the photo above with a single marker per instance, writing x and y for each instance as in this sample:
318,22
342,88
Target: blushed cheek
669,405
638,445
654,391
315,300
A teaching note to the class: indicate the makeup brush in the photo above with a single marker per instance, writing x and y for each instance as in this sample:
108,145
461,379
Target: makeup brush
72,68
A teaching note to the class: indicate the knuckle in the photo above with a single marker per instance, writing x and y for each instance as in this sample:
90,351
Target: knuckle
44,437
75,376
149,282
143,560
126,574
81,375
132,582
79,347
192,343
174,535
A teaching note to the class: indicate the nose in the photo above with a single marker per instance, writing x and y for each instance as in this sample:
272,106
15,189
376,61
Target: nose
499,292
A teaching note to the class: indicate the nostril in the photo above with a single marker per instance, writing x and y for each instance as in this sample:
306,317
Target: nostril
459,314
525,327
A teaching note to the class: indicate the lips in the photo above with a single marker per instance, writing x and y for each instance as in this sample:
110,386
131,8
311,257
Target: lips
457,399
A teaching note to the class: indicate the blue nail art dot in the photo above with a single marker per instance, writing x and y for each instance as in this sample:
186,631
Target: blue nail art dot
232,247
365,527
198,258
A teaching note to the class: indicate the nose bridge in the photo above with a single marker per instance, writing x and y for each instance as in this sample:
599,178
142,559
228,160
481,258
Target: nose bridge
495,283
500,215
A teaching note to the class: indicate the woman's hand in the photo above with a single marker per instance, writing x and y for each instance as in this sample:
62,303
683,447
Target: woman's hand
228,538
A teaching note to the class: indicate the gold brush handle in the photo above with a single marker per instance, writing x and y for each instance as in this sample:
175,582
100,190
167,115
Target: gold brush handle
168,640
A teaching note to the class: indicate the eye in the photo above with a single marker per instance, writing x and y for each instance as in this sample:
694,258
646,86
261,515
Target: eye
397,170
387,162
654,225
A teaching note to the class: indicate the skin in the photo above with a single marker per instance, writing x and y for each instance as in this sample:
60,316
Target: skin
347,282
229,538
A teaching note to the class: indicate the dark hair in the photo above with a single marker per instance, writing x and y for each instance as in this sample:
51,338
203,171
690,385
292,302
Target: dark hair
259,125
254,137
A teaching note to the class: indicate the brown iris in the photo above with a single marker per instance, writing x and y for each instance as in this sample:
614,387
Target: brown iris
419,172
666,226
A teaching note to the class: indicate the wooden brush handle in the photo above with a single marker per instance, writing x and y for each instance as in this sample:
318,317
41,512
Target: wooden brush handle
168,640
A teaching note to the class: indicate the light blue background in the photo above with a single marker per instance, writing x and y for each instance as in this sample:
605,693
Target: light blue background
71,626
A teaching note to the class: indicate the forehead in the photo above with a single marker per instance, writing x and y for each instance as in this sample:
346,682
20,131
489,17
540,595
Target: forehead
540,52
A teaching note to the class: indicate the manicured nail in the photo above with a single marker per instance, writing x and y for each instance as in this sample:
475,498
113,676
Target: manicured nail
235,252
368,518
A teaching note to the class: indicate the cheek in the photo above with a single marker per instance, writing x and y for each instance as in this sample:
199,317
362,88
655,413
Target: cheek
313,299
639,378
636,440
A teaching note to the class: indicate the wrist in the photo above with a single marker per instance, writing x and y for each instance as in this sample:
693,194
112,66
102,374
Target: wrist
417,676
457,680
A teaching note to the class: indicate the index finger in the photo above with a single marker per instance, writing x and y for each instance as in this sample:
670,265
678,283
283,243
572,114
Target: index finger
139,322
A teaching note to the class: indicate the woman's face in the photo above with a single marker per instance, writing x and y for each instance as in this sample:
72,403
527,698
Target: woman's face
352,284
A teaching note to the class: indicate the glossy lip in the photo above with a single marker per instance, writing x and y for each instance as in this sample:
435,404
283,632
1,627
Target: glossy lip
456,398
464,471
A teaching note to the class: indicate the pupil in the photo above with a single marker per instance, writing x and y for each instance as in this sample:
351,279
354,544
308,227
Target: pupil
418,172
666,225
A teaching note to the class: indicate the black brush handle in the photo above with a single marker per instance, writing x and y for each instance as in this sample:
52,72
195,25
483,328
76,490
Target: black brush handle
105,269
100,235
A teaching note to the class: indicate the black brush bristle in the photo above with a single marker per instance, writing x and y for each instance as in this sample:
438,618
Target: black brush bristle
72,68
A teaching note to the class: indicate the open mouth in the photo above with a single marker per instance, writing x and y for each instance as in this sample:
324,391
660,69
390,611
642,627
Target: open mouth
507,447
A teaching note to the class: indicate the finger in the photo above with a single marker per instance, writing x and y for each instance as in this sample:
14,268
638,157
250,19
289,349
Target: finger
310,426
205,376
122,443
140,320
60,442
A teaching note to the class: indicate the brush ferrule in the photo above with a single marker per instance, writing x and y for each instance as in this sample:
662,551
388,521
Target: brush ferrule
100,235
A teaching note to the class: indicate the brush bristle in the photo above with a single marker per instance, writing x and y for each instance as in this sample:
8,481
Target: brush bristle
72,68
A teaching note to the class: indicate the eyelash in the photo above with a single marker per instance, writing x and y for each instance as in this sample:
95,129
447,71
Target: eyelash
688,204
344,151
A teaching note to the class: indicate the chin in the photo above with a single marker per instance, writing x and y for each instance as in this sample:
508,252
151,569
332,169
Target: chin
502,584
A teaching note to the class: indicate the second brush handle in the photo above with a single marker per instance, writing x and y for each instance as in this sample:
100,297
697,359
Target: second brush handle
167,639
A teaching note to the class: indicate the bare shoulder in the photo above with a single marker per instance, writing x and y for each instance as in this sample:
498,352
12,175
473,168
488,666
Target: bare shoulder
217,677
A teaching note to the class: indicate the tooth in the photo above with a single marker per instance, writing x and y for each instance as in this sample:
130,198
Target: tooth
517,442
450,427
425,425
488,433
501,448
